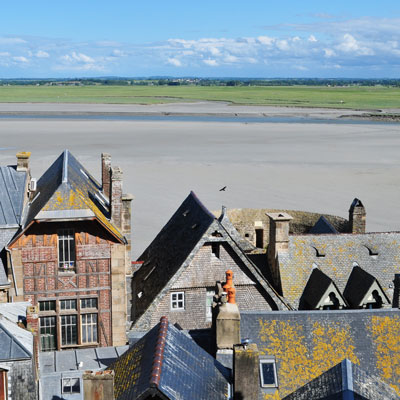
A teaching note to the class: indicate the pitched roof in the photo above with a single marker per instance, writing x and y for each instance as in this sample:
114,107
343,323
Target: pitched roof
16,343
316,287
335,255
322,226
358,285
170,250
68,191
343,381
307,343
171,247
12,183
167,361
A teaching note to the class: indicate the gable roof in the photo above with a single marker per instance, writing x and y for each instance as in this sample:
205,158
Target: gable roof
322,226
12,183
16,343
167,362
344,381
317,286
307,343
171,249
68,191
358,285
375,253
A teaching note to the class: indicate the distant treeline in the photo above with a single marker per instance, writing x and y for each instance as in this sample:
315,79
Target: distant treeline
169,81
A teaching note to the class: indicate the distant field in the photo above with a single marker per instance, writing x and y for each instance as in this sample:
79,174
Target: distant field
300,96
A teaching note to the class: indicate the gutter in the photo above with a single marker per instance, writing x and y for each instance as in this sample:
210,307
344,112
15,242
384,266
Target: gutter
12,269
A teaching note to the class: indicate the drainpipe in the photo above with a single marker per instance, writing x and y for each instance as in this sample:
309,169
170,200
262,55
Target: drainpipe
12,270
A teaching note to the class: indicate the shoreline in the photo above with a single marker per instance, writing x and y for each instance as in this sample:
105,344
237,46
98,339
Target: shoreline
193,109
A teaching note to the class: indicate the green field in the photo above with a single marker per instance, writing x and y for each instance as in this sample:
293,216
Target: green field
354,97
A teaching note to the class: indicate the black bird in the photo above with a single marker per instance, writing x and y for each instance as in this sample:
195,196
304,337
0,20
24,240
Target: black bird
222,189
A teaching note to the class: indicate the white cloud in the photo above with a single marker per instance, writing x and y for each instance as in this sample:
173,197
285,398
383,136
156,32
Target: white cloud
20,59
329,53
5,54
350,45
42,54
210,62
268,41
9,40
312,39
174,61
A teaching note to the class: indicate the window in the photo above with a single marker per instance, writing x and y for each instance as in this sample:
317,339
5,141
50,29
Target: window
89,303
66,250
215,249
71,385
48,333
178,301
69,304
68,330
89,328
47,305
268,373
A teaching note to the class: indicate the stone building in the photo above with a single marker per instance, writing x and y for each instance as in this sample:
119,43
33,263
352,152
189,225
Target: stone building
70,257
182,264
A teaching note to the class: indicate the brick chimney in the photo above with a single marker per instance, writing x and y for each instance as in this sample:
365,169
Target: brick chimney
357,217
278,241
98,385
228,318
23,160
106,173
246,379
32,325
116,197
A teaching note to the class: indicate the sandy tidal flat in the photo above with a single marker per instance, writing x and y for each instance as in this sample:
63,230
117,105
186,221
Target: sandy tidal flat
314,167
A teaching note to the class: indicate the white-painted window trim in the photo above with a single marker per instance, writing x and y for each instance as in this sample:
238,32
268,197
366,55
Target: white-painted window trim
177,301
273,363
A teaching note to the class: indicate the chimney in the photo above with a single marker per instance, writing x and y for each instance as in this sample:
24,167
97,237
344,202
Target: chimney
106,173
278,241
357,217
116,197
23,160
246,379
32,325
98,385
228,318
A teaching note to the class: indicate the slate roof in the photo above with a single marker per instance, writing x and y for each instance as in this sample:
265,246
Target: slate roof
376,253
308,343
357,286
12,183
16,342
343,381
316,287
68,191
56,365
171,248
168,363
322,226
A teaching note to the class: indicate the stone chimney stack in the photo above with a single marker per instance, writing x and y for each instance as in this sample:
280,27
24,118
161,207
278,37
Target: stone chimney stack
246,379
357,217
23,161
116,197
278,241
98,385
228,318
106,173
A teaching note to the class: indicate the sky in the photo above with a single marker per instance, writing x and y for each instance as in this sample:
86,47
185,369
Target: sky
219,38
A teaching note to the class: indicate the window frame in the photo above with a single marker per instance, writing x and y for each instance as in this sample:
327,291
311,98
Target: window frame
42,335
66,241
64,385
268,361
92,327
177,301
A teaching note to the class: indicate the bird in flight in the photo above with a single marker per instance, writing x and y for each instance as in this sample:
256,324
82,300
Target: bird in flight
222,189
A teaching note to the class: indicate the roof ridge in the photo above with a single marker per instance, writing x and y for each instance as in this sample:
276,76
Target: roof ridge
203,207
159,352
65,167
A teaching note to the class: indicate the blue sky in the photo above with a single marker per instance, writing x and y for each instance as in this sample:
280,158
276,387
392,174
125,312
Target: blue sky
208,38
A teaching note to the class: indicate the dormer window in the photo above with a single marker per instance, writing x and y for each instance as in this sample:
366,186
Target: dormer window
331,302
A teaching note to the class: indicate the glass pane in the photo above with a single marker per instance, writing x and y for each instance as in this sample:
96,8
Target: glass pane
268,375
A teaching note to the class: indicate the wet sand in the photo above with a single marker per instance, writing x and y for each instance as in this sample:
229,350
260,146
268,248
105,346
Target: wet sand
313,167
